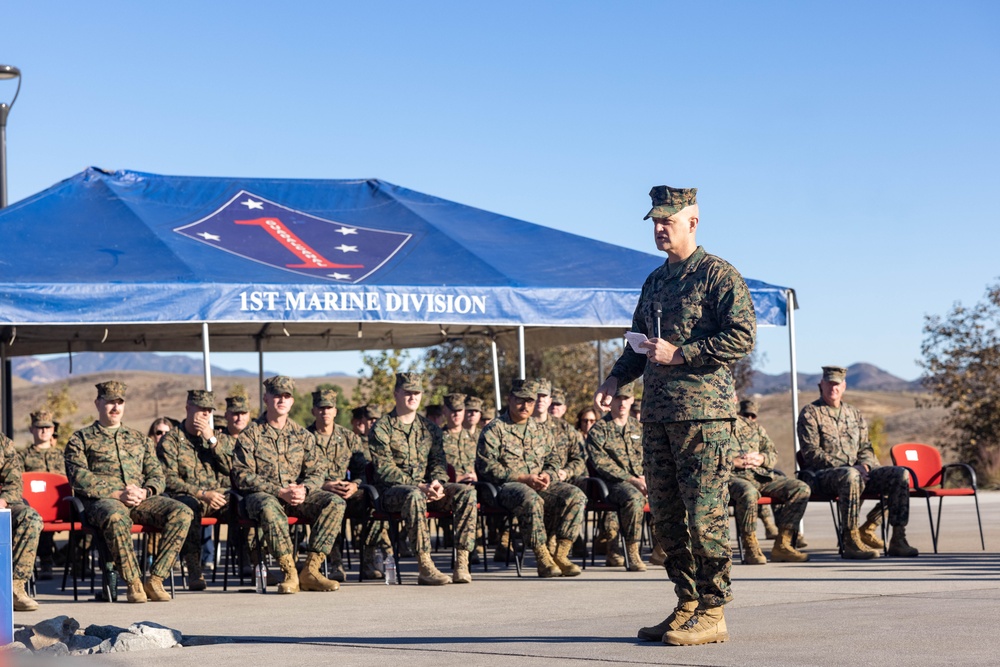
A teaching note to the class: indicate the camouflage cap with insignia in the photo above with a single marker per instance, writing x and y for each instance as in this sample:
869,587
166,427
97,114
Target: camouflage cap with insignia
366,412
474,403
524,389
668,200
237,404
324,398
543,386
834,374
625,391
455,402
558,397
749,407
279,384
112,390
42,419
201,398
410,381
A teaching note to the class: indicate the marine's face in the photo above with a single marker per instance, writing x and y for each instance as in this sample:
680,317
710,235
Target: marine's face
110,412
407,401
520,408
557,410
472,418
324,416
542,404
676,233
455,418
832,392
42,435
620,406
278,405
237,421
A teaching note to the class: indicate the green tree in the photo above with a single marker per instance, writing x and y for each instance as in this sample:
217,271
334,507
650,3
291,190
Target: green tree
62,407
744,370
375,386
876,434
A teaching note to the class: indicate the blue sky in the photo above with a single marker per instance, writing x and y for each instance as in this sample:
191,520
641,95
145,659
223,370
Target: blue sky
848,149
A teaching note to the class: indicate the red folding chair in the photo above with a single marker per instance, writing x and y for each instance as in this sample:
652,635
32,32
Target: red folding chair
48,494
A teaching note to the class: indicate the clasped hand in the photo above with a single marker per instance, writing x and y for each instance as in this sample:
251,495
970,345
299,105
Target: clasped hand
433,491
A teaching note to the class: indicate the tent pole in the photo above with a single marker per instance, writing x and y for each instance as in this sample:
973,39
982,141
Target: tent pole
206,356
790,307
496,376
260,373
520,349
600,364
8,397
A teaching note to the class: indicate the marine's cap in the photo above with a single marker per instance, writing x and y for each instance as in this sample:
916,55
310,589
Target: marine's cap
237,404
366,412
524,388
112,390
324,398
625,391
834,374
42,419
749,407
474,403
543,386
558,397
410,381
668,200
279,384
201,398
455,402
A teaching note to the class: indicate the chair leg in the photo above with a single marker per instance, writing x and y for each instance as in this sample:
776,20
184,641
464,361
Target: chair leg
930,517
975,497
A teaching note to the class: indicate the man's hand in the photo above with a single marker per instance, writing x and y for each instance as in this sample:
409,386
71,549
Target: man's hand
203,425
433,491
3,504
640,483
214,499
538,482
659,351
467,477
342,488
562,474
748,460
606,392
132,495
293,494
863,469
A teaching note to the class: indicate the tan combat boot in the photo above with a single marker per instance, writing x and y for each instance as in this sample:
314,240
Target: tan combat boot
601,543
503,548
368,569
311,577
869,533
135,592
752,555
800,541
22,602
430,575
635,563
153,586
898,545
658,557
562,561
461,574
546,566
291,583
337,572
195,578
613,551
784,552
680,615
707,626
770,528
550,544
853,549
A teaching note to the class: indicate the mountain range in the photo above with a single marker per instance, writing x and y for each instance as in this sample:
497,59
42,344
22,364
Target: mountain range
862,376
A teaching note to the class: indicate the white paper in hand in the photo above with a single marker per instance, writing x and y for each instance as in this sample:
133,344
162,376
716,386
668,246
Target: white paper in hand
634,339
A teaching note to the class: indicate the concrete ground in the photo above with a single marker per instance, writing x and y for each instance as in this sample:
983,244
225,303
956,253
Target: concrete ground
932,610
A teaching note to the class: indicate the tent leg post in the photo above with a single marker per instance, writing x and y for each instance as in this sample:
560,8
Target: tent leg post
794,380
496,375
260,373
520,349
206,356
5,389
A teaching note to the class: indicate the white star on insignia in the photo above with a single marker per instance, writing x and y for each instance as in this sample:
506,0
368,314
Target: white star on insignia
347,248
340,276
346,230
210,237
251,204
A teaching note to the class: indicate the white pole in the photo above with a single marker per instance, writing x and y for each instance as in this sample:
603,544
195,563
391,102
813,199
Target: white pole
260,373
496,377
206,355
790,307
520,349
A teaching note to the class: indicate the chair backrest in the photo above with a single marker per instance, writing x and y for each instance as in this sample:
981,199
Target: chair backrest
923,460
44,492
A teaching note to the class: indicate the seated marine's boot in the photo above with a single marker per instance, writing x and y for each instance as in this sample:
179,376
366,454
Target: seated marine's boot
613,553
898,546
601,543
291,583
368,568
678,617
311,576
195,578
561,558
770,528
154,589
546,566
135,592
707,626
429,575
337,572
461,574
502,554
752,555
800,541
635,563
853,549
784,552
22,601
869,533
658,557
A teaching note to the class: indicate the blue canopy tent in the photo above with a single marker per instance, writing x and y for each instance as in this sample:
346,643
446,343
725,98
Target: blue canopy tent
130,261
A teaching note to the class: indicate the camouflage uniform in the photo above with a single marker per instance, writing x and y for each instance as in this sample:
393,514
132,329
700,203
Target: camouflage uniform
460,451
49,459
25,523
267,460
832,441
101,461
747,485
568,445
616,456
688,413
406,455
506,451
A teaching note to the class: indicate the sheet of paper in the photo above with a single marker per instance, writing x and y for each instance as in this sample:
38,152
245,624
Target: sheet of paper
634,338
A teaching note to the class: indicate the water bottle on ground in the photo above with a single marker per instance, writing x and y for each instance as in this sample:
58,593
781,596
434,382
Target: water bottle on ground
390,570
260,573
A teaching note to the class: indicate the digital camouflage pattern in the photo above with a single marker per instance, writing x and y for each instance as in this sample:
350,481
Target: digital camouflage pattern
406,455
460,450
615,454
568,445
668,200
747,485
47,459
25,523
100,462
505,452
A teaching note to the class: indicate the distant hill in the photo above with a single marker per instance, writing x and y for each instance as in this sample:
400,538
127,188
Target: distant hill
861,376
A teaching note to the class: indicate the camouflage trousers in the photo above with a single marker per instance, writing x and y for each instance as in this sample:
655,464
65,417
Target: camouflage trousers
192,544
845,482
687,467
793,494
322,510
631,511
26,528
558,510
412,505
113,521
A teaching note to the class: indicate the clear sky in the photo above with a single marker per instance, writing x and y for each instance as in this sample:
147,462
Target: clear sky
849,150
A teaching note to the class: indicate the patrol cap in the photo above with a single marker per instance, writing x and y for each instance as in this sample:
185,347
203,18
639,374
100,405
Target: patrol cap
42,419
558,397
668,200
111,390
834,374
524,389
749,407
625,391
201,398
543,387
324,398
366,412
237,404
455,402
410,382
279,384
474,403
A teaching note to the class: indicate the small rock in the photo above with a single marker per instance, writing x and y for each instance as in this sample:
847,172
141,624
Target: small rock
104,631
52,630
127,641
58,649
82,642
15,648
23,636
164,637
